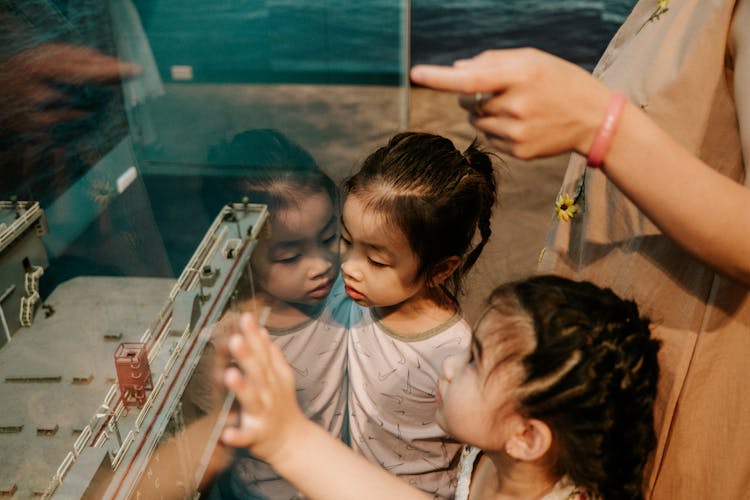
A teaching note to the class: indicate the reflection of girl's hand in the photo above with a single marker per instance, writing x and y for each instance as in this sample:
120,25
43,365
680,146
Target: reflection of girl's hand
532,104
270,419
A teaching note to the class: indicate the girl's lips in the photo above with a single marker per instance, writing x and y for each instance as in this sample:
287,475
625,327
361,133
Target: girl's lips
353,293
322,290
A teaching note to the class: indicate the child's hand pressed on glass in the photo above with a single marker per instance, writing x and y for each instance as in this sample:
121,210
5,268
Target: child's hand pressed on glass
263,383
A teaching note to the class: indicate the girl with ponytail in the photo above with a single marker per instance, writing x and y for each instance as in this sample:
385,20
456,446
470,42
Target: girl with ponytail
415,218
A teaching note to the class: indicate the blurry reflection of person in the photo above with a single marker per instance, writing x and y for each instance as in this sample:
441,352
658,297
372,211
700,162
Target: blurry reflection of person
293,277
61,113
61,105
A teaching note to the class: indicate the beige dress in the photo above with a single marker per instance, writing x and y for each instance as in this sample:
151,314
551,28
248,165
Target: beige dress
690,71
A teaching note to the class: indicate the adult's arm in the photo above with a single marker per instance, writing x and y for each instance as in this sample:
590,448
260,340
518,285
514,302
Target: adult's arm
540,105
274,428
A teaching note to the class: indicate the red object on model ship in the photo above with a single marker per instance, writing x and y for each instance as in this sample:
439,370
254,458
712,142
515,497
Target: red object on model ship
133,373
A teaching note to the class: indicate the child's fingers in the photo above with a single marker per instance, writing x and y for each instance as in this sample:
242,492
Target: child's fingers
250,349
255,335
265,367
269,363
237,437
253,352
253,419
243,390
244,435
251,357
239,433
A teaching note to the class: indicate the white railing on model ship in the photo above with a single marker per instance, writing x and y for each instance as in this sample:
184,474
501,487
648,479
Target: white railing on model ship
205,249
202,252
31,286
31,213
149,403
4,323
123,449
82,440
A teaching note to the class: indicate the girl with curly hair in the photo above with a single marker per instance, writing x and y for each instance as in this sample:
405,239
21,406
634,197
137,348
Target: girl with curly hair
555,402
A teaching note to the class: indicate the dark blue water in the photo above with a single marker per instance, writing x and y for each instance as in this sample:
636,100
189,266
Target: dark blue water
363,41
576,30
334,41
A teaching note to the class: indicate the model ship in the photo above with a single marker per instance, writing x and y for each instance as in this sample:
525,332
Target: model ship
22,263
131,391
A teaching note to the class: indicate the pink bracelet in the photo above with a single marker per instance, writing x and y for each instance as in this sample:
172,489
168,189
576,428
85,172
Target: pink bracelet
606,130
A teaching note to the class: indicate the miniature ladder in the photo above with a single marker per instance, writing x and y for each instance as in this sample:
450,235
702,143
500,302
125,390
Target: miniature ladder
31,285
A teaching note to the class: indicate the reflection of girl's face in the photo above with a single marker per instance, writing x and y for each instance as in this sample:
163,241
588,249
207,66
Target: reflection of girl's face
297,260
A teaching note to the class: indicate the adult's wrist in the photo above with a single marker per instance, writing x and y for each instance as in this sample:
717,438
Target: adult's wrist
604,134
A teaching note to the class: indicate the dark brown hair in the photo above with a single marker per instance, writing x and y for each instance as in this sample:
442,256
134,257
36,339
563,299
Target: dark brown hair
592,377
438,196
275,171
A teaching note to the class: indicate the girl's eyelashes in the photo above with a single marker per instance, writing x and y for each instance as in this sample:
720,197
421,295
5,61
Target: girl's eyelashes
330,233
286,260
328,240
346,243
332,242
376,263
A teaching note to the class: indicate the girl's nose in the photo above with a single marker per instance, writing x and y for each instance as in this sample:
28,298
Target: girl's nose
350,270
320,266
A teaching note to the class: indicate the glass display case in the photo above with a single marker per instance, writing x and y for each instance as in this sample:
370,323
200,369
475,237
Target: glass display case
148,147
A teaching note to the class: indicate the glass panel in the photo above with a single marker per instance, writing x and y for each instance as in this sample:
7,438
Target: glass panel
168,163
164,165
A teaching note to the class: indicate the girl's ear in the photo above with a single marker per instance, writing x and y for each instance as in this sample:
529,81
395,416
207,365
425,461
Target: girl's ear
531,441
444,269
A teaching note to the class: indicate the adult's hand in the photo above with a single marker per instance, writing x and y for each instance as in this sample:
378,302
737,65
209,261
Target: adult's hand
528,103
540,105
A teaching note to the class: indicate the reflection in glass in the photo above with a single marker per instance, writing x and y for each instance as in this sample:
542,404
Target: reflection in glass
112,118
293,289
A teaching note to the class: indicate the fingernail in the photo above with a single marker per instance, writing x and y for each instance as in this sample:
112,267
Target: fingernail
246,318
235,341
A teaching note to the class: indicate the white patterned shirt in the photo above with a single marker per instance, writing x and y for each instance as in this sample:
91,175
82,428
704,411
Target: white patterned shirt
392,386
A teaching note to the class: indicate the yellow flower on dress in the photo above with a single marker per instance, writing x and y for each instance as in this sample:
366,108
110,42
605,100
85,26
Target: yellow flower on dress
662,6
565,207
